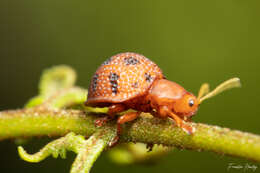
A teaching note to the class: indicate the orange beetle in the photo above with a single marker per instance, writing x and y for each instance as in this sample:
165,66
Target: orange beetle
132,81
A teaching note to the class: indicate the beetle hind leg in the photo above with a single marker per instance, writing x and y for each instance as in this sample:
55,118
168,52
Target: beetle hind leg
102,121
112,111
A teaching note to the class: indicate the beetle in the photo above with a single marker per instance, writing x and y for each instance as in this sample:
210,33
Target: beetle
132,81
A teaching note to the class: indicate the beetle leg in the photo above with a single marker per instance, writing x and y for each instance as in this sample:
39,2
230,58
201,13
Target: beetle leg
101,121
155,114
112,111
130,116
158,115
116,108
180,123
187,119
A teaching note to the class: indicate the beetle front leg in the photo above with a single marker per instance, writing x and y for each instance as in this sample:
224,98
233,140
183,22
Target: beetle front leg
116,108
180,123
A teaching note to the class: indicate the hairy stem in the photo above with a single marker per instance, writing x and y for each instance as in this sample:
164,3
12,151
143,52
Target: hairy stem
38,122
87,150
90,151
55,148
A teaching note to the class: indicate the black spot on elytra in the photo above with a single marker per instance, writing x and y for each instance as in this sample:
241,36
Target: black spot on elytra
148,77
135,85
113,77
94,82
130,61
107,62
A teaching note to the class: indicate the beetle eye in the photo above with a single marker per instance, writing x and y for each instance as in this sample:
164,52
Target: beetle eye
191,103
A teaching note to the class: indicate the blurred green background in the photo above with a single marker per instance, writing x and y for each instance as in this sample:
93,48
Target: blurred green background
192,41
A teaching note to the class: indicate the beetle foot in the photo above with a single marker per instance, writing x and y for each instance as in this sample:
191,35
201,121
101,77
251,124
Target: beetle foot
188,128
101,121
149,146
114,141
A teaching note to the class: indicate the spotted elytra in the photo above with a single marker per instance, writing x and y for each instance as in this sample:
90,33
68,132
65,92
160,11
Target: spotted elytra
132,81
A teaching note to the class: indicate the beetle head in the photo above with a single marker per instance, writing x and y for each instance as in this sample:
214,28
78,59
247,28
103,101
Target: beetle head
186,106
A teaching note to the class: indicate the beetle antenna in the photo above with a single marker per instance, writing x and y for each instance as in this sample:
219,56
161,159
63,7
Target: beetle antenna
204,90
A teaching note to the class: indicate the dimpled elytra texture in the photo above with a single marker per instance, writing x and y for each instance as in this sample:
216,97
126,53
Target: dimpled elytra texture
122,77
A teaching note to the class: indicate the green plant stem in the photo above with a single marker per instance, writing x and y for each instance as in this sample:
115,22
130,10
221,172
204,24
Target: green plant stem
56,78
65,98
90,151
55,148
38,122
87,150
